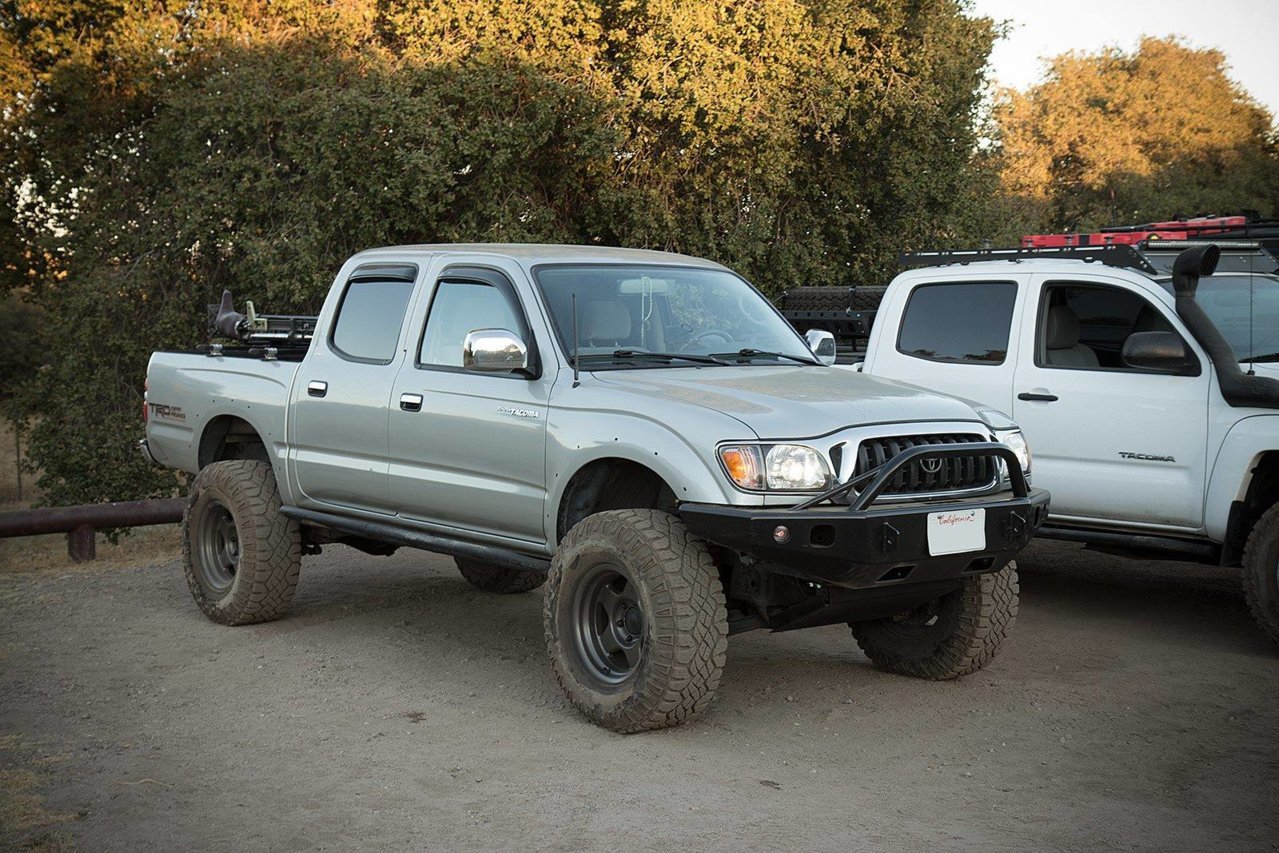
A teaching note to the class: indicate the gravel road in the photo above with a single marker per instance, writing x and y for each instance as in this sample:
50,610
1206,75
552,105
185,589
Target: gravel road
1134,707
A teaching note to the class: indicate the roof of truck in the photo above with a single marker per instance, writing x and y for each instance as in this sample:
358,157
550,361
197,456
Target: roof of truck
542,253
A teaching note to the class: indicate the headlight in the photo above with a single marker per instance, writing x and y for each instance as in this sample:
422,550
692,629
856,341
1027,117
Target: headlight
1016,442
785,467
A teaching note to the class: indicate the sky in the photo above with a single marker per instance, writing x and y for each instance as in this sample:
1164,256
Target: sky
1244,30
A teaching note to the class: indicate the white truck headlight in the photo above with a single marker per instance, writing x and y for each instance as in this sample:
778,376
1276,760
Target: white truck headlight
783,467
1015,441
794,466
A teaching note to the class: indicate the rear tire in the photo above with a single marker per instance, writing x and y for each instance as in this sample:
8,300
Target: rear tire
241,556
498,579
949,637
1261,572
635,620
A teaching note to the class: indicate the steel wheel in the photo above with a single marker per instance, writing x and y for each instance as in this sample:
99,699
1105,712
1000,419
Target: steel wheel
218,554
609,629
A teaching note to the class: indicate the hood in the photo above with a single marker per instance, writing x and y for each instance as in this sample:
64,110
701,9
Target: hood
788,402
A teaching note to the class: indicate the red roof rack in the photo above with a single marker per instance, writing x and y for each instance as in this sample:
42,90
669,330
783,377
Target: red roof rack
1175,229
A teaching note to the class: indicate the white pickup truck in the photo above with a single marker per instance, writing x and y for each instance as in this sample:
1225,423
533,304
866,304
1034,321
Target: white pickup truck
1151,400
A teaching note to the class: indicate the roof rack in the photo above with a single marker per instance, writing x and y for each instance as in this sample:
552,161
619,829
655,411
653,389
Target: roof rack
1117,255
267,335
1247,226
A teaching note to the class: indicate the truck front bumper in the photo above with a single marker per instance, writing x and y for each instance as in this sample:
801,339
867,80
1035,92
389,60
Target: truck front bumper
879,546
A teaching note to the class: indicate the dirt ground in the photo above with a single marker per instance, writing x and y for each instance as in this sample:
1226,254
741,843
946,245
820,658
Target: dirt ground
1134,707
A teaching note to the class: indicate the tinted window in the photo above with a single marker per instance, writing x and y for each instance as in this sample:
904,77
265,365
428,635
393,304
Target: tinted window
369,319
1085,326
959,322
461,307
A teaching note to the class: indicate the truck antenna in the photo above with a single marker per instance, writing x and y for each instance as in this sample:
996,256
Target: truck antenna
576,375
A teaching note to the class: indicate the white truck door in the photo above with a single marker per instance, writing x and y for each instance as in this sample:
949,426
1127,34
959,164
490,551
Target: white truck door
955,334
468,449
338,411
1109,441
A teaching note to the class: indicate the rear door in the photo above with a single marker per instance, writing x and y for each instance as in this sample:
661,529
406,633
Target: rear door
1110,441
338,423
955,335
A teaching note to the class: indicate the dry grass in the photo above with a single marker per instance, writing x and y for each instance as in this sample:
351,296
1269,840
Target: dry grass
25,823
144,546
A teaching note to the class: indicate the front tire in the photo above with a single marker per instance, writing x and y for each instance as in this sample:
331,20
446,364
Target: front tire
498,579
635,620
240,554
951,636
1261,572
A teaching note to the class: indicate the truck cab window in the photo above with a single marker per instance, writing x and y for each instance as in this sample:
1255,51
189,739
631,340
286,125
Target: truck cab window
959,322
1085,326
461,307
369,319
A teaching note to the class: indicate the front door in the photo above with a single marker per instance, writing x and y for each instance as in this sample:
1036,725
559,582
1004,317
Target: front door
1110,441
468,449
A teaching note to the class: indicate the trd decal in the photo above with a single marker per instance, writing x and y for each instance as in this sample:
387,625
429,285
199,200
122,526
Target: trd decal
168,413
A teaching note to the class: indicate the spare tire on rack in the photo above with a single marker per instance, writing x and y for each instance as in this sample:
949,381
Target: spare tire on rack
832,298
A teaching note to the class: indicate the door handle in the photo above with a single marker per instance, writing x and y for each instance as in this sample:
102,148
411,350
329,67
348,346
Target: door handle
1042,398
316,388
411,402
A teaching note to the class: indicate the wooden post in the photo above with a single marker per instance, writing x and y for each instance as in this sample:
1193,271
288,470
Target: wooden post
82,544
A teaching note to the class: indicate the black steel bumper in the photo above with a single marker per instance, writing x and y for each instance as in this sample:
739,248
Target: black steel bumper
865,544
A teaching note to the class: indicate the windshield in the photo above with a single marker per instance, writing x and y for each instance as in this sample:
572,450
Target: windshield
657,316
1246,310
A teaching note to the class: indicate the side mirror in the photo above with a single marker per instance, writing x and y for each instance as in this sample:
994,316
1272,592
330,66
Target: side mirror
1162,351
822,343
494,351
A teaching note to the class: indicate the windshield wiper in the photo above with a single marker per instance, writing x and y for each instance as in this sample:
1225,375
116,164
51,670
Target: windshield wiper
633,354
1268,357
747,354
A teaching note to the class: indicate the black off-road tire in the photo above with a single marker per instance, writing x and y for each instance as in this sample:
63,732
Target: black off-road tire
1261,572
680,635
234,517
498,579
952,636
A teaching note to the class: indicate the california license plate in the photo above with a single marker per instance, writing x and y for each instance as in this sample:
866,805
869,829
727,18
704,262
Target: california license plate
956,532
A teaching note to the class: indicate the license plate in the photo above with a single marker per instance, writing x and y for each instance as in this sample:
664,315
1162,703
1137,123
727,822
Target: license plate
956,532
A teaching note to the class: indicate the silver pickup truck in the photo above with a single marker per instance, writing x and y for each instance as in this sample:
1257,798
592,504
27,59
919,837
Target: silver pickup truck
640,432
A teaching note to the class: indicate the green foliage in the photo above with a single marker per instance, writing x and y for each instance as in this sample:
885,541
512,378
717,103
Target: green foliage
1115,137
166,151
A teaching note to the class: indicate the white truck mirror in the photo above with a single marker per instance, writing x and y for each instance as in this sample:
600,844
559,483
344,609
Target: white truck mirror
822,343
494,351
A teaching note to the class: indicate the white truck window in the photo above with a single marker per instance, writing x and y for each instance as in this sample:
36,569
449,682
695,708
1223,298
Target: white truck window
959,322
459,308
369,319
1084,326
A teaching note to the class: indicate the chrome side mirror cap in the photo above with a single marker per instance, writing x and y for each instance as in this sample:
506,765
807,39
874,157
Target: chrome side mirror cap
494,351
822,343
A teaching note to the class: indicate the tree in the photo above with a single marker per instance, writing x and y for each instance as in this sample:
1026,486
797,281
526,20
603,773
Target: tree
1118,137
161,151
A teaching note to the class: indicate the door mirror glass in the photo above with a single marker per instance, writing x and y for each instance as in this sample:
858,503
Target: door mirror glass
1161,351
494,351
822,344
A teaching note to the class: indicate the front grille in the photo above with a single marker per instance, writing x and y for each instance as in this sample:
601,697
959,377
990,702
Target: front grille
955,474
